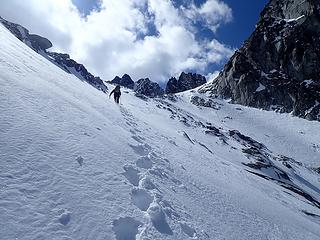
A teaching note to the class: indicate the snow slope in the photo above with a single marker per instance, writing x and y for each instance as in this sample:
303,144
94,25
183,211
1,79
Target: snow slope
74,165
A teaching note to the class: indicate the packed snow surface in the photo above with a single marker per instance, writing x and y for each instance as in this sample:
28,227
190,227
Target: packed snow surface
75,165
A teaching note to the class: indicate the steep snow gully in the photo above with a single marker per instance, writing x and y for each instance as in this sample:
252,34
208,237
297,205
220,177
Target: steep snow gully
74,165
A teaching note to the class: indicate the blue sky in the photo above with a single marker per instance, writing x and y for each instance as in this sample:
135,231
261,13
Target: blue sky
157,39
245,16
86,6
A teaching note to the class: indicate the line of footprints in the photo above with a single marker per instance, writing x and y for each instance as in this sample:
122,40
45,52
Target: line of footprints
146,196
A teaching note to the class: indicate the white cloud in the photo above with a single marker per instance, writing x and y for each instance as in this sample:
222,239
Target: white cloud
215,12
212,76
216,51
119,37
211,13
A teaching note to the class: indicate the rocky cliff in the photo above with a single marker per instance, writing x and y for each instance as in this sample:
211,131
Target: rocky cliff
148,88
278,67
34,41
71,66
185,82
41,45
125,81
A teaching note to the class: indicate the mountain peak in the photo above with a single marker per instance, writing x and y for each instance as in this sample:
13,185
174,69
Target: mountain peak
186,81
148,88
278,67
125,81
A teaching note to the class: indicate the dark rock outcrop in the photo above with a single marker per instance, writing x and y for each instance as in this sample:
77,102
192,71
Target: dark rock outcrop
185,82
71,66
127,81
209,103
278,67
148,88
116,80
124,81
36,42
41,45
172,86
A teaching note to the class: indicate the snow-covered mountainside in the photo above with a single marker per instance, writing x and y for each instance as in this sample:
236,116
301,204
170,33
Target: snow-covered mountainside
75,165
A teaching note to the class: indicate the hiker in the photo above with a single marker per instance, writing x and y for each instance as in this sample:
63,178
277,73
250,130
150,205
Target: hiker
116,94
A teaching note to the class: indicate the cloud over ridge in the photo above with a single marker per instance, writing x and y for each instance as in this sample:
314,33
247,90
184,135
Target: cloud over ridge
144,38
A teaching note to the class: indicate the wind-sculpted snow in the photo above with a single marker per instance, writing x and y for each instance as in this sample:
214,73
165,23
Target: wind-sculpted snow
262,157
75,165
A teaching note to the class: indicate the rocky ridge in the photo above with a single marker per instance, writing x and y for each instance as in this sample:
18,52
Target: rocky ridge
186,81
41,45
34,41
148,88
125,81
278,67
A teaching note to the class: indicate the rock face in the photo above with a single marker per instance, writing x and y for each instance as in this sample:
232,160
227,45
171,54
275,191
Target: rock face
69,65
125,81
143,87
148,88
278,67
41,44
185,82
36,42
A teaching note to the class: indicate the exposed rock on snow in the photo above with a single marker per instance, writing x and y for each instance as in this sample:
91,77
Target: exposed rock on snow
209,103
264,162
80,160
65,217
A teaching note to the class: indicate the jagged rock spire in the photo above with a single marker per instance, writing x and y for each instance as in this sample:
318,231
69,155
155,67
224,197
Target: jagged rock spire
185,82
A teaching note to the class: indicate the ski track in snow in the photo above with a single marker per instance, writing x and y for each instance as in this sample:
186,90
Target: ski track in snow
74,165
